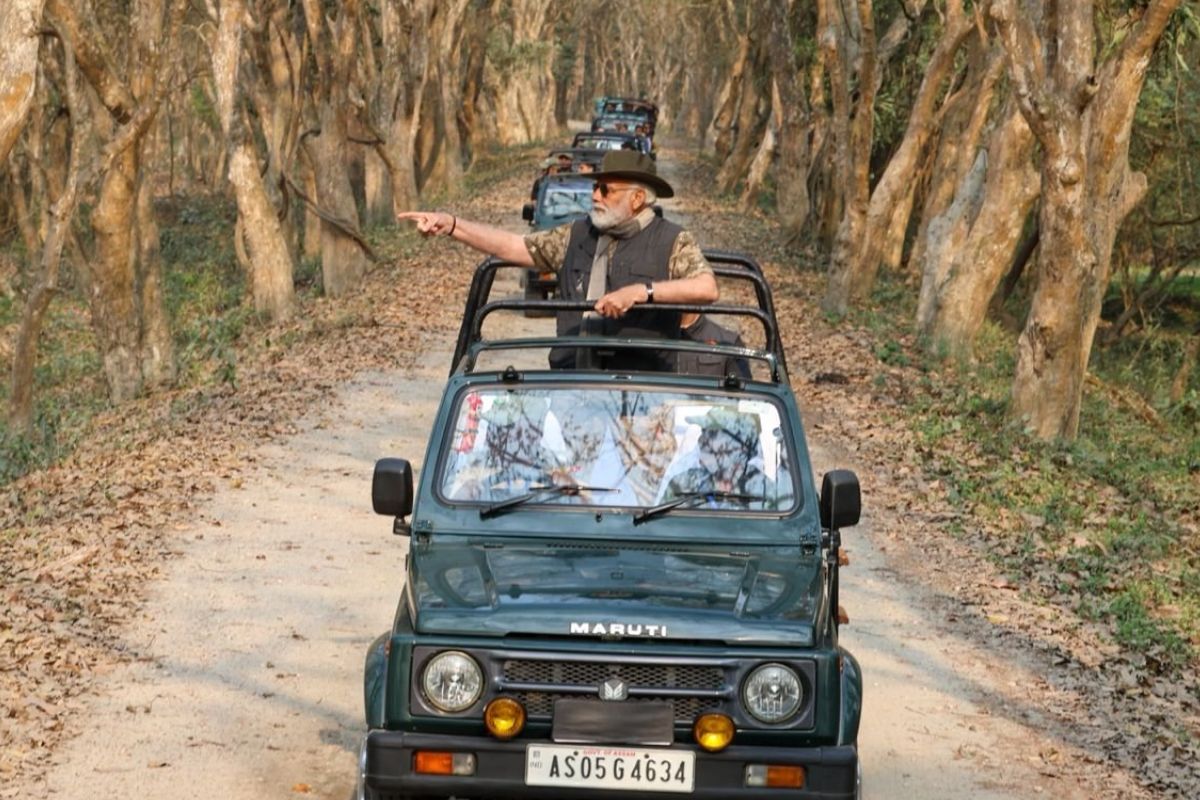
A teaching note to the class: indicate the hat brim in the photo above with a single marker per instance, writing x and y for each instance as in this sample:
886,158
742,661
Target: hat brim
660,187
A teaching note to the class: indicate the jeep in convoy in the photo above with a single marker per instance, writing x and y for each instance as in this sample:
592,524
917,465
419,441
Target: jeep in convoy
619,584
557,200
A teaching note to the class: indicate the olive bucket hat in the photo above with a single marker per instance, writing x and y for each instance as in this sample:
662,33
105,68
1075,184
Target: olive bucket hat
631,165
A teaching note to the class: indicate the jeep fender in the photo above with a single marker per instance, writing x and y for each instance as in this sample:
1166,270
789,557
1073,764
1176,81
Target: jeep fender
375,681
851,699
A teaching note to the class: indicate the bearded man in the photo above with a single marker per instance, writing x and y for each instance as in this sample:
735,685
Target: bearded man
622,255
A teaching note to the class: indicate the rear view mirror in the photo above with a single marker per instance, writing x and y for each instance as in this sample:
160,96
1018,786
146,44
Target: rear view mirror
527,212
841,499
392,487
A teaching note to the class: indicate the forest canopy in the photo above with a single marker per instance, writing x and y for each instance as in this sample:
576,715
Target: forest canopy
1008,164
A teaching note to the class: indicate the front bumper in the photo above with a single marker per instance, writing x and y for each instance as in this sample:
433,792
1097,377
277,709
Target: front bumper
387,762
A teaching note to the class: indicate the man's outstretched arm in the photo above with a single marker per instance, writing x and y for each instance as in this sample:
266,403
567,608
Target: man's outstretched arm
484,238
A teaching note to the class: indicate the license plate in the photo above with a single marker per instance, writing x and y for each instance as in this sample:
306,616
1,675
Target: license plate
595,767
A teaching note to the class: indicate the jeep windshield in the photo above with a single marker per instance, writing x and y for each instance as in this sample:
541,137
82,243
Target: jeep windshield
623,448
563,200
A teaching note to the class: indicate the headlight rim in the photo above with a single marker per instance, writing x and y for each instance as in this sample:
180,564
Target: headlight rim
801,693
437,705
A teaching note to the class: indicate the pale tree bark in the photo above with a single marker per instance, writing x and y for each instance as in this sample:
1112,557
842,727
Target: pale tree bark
345,257
441,150
1082,120
272,79
764,157
891,200
524,85
270,265
396,109
478,118
970,245
966,117
124,276
721,131
853,131
18,67
794,121
37,301
753,115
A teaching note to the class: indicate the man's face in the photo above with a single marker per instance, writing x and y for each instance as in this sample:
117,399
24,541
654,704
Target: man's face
613,202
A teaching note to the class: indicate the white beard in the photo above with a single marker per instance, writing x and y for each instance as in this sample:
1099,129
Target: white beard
604,219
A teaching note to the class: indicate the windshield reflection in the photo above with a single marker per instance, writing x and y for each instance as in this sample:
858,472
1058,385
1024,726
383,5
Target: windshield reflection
647,447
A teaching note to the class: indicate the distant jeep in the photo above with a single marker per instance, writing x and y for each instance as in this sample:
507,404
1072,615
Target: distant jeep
558,199
619,584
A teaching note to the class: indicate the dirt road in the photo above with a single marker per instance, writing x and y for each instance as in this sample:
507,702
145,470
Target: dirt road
250,683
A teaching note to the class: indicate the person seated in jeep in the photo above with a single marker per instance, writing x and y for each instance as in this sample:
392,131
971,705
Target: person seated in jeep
622,255
700,328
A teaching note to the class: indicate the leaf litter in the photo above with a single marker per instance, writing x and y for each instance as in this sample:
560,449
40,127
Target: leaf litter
79,542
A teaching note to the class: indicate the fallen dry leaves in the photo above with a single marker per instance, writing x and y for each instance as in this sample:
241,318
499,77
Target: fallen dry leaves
78,543
1120,710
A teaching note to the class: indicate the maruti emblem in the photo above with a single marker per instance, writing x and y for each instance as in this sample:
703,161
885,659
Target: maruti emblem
614,689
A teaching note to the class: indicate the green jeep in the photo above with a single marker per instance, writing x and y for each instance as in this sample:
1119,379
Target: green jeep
619,584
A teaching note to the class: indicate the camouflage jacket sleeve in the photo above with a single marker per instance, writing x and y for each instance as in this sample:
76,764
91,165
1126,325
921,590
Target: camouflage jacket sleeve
686,259
549,248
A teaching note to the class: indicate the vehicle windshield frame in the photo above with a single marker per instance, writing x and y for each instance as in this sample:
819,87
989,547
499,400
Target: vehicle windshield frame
676,399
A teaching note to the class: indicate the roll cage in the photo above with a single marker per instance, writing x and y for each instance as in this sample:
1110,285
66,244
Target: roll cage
725,264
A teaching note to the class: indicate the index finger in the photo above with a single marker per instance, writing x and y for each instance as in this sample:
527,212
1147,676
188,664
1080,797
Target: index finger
413,215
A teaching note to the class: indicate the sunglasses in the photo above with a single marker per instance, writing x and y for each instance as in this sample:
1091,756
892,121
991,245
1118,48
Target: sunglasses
606,189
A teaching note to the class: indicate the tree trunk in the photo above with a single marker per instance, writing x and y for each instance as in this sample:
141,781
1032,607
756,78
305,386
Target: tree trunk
270,275
966,116
854,128
721,131
19,21
344,262
397,110
763,158
754,113
37,302
891,201
125,275
524,87
1082,120
272,288
970,245
157,350
443,149
114,307
794,123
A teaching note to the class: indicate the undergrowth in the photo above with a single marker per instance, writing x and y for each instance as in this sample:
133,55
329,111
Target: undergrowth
1098,524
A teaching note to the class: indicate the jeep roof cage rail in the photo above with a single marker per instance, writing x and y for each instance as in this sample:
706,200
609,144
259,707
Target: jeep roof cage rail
738,266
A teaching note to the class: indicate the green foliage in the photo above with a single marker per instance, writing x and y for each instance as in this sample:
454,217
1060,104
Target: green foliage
203,289
509,57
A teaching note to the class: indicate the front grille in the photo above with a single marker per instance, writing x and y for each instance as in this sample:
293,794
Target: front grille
673,683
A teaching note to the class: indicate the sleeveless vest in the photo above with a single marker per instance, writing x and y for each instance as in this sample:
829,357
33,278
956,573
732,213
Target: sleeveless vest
640,259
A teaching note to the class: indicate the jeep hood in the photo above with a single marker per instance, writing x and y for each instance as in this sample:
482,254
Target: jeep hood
761,595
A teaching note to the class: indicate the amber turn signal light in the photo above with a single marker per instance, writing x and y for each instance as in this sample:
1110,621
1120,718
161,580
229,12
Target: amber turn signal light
504,718
776,776
434,762
713,732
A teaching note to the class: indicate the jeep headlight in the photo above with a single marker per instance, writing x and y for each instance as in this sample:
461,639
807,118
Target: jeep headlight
452,681
772,693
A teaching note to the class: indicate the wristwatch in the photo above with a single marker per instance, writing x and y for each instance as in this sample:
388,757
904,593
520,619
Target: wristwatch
649,291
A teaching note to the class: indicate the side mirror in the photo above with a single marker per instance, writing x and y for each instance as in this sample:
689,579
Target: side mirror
841,499
527,212
392,487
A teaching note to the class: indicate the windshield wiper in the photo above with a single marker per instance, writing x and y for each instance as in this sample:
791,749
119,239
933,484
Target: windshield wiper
688,499
535,492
